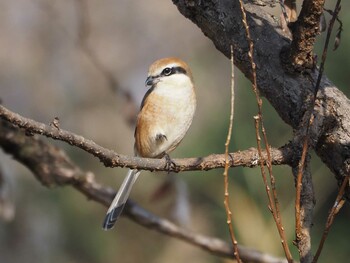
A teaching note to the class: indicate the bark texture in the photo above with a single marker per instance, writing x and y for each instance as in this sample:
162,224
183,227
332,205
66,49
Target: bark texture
289,94
305,31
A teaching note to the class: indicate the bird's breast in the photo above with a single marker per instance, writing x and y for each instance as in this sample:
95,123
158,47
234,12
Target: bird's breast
164,120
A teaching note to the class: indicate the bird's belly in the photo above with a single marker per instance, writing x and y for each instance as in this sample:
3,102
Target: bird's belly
165,124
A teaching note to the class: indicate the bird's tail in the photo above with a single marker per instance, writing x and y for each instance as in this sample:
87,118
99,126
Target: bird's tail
120,199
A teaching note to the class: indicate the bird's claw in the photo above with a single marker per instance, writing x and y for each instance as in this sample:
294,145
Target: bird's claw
170,164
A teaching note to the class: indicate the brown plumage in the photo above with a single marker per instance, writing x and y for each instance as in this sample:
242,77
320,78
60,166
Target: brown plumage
165,115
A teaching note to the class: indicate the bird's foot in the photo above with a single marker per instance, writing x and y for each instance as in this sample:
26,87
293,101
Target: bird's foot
170,164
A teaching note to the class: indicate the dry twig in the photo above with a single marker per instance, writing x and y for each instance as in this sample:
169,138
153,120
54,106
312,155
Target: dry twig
227,144
273,200
338,204
84,31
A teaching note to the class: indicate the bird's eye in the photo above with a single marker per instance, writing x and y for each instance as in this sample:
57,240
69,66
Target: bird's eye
166,71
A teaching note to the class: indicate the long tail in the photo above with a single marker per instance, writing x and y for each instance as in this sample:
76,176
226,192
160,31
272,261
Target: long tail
120,199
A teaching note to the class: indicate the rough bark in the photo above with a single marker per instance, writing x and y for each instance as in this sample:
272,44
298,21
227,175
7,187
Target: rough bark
305,31
288,93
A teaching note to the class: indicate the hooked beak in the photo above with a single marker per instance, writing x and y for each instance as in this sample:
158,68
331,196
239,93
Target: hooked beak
151,81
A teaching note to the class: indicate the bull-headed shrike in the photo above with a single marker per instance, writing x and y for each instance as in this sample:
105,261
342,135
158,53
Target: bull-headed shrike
165,115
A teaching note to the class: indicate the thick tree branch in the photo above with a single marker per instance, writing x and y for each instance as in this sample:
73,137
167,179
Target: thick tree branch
288,94
248,158
51,166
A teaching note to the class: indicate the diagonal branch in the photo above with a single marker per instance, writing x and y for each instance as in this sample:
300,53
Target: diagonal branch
247,158
52,167
221,22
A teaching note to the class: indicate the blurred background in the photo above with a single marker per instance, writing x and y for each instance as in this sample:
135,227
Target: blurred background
72,59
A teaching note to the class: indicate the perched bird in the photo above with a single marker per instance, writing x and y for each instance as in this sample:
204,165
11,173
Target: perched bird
165,115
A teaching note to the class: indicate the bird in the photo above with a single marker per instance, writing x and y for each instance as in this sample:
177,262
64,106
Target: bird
166,113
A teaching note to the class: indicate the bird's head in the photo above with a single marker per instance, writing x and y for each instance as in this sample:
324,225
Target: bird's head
171,71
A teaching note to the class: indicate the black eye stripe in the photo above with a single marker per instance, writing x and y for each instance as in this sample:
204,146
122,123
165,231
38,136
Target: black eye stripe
180,70
174,70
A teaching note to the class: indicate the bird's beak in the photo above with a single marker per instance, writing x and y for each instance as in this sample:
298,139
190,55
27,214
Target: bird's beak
150,81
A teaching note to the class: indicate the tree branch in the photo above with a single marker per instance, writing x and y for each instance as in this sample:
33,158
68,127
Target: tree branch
51,166
221,22
305,31
247,158
304,216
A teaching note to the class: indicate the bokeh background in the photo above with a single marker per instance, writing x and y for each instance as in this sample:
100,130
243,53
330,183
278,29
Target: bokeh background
56,59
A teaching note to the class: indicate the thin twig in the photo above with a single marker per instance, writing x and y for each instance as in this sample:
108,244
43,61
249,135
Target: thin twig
273,201
284,11
299,185
339,31
298,220
271,206
325,49
227,144
82,44
338,204
84,30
